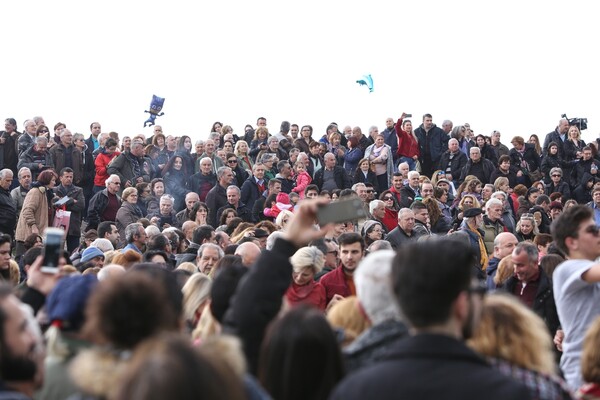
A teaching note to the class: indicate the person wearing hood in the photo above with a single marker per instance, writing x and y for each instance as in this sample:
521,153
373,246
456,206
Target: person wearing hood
66,311
504,244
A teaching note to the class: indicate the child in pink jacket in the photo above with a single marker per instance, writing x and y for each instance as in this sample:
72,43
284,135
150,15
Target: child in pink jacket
303,179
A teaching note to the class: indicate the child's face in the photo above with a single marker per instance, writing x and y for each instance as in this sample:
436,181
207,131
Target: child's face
299,168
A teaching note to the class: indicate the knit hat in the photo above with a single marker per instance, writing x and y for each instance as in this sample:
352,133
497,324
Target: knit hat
90,253
282,198
367,225
66,303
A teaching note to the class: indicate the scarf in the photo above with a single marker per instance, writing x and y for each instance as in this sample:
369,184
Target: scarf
484,256
377,150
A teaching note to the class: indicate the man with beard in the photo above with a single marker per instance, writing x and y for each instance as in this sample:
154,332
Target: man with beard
18,367
442,302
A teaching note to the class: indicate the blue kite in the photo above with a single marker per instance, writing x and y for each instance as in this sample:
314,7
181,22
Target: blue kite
155,107
367,81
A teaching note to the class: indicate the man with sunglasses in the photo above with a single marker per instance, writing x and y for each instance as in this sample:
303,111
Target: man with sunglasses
576,285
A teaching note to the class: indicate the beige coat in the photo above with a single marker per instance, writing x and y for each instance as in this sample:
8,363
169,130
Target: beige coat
34,212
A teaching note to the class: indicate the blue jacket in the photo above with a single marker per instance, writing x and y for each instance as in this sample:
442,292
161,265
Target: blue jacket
438,142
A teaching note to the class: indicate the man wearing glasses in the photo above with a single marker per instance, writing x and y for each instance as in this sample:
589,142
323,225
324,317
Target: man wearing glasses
105,204
576,285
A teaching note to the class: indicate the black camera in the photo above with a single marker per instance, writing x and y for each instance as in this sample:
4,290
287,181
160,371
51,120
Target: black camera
581,123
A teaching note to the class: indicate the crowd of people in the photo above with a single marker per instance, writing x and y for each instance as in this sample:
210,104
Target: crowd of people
199,269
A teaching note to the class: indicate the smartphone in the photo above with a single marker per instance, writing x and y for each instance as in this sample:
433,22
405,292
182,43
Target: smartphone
408,116
341,211
53,248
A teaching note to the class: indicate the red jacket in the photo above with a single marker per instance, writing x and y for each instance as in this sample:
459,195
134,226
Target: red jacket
102,161
390,219
407,143
313,294
334,283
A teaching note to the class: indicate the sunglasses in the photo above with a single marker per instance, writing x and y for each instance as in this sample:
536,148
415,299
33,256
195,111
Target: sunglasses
232,161
556,176
593,229
388,198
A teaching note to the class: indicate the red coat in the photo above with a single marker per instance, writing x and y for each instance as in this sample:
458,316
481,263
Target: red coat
102,161
390,219
407,143
312,293
334,283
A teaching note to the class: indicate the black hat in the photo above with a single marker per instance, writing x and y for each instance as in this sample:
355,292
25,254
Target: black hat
260,233
472,212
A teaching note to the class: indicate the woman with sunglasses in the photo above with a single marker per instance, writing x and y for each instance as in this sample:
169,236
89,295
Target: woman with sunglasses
390,220
240,174
557,185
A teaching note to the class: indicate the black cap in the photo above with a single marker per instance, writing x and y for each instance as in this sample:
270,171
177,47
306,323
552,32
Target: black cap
472,212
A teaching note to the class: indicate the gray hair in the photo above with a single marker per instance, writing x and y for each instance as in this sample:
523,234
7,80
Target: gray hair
530,249
64,132
4,172
272,238
373,280
199,142
498,193
78,136
136,142
22,170
379,245
492,202
215,135
152,230
233,187
41,140
111,178
131,230
266,157
272,139
374,204
413,173
357,185
477,149
221,171
556,170
211,246
167,196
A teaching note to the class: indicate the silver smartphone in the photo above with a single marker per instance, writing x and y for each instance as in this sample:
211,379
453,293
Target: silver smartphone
341,211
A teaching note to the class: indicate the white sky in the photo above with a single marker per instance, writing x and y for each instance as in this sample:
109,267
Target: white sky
513,66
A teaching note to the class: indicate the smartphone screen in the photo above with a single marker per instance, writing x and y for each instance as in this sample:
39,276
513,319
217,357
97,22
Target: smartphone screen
53,247
341,211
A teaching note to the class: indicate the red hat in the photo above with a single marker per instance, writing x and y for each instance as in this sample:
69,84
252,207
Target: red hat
282,198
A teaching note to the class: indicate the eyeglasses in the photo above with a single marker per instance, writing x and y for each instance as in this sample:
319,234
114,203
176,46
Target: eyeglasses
593,229
44,131
232,161
388,198
333,252
556,176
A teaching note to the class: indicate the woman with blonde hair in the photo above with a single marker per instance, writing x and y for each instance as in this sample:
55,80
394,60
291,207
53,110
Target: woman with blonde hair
346,317
283,218
306,263
527,228
516,342
196,295
241,151
505,270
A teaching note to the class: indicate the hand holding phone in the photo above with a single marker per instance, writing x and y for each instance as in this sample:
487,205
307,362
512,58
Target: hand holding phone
53,248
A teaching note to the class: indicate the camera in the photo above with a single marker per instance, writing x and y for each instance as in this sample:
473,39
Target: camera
581,123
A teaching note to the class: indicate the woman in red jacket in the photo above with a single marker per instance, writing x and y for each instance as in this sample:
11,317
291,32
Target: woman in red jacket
307,262
102,161
408,146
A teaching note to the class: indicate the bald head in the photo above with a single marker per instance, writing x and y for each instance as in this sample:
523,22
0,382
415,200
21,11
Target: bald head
504,244
249,253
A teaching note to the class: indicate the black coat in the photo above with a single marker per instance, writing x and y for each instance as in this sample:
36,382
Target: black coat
458,163
8,213
529,155
487,168
359,177
543,304
215,199
397,237
429,366
342,181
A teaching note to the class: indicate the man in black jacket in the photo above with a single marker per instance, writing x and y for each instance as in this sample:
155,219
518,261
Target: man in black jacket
432,143
558,136
478,166
331,176
217,196
453,161
442,302
8,209
532,286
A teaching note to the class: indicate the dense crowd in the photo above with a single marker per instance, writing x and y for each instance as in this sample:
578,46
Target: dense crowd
199,269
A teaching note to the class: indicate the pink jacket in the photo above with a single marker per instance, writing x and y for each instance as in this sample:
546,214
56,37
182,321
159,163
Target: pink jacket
302,181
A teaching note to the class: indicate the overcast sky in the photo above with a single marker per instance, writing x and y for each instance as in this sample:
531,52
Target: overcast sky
513,66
